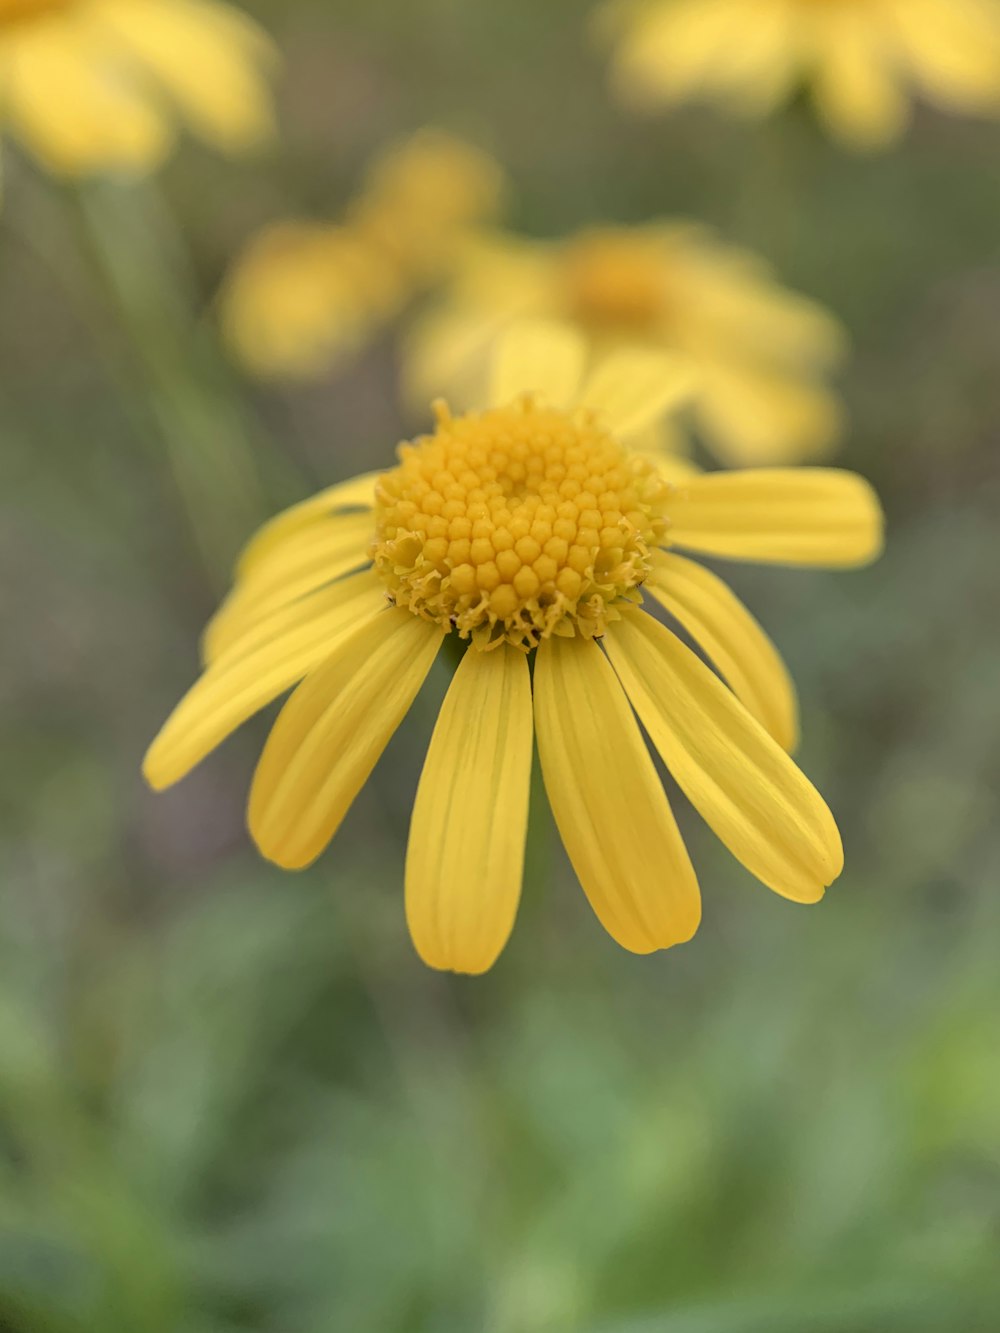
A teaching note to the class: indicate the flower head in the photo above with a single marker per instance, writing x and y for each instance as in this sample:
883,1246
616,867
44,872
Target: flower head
421,197
303,295
95,85
859,58
759,353
513,558
530,533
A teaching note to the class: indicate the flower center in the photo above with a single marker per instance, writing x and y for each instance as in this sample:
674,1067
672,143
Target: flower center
613,282
517,523
19,11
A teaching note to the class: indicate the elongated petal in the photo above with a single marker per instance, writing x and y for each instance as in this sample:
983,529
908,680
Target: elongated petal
671,467
75,114
317,555
357,493
746,788
857,91
330,733
953,49
537,356
608,802
791,516
350,532
634,386
210,58
268,661
466,850
716,618
664,444
757,416
703,48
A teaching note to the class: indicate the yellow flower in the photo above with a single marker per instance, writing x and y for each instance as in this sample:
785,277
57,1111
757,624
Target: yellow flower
87,85
421,197
859,58
531,531
304,295
760,352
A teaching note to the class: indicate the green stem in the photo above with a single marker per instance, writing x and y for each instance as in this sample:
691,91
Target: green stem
140,261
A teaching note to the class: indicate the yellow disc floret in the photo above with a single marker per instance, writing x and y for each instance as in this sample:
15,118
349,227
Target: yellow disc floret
517,523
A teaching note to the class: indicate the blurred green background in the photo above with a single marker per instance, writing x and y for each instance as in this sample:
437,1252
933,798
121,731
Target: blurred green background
233,1099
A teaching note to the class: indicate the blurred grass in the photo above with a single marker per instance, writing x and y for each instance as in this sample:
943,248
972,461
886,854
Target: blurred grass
233,1100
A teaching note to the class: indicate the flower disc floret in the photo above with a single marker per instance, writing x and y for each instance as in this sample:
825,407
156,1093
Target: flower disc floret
518,523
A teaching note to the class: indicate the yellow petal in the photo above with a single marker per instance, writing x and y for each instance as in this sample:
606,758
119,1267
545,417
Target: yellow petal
357,493
261,666
422,197
74,113
793,516
608,802
664,438
537,356
756,416
739,315
665,444
694,49
855,87
302,296
634,386
327,537
339,593
717,620
677,471
209,57
315,556
331,732
953,49
746,788
466,849
448,351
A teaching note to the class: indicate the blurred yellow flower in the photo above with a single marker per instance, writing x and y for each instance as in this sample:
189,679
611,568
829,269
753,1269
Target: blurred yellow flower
760,352
859,58
95,85
302,295
422,196
532,528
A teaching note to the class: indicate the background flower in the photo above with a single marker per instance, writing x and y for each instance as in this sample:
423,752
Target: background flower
860,59
97,85
302,296
759,353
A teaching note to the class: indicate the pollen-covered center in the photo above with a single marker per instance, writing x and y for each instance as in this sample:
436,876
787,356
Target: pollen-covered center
517,523
613,282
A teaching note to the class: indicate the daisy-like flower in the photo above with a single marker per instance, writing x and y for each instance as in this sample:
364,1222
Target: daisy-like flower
860,59
530,534
96,85
761,353
303,295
